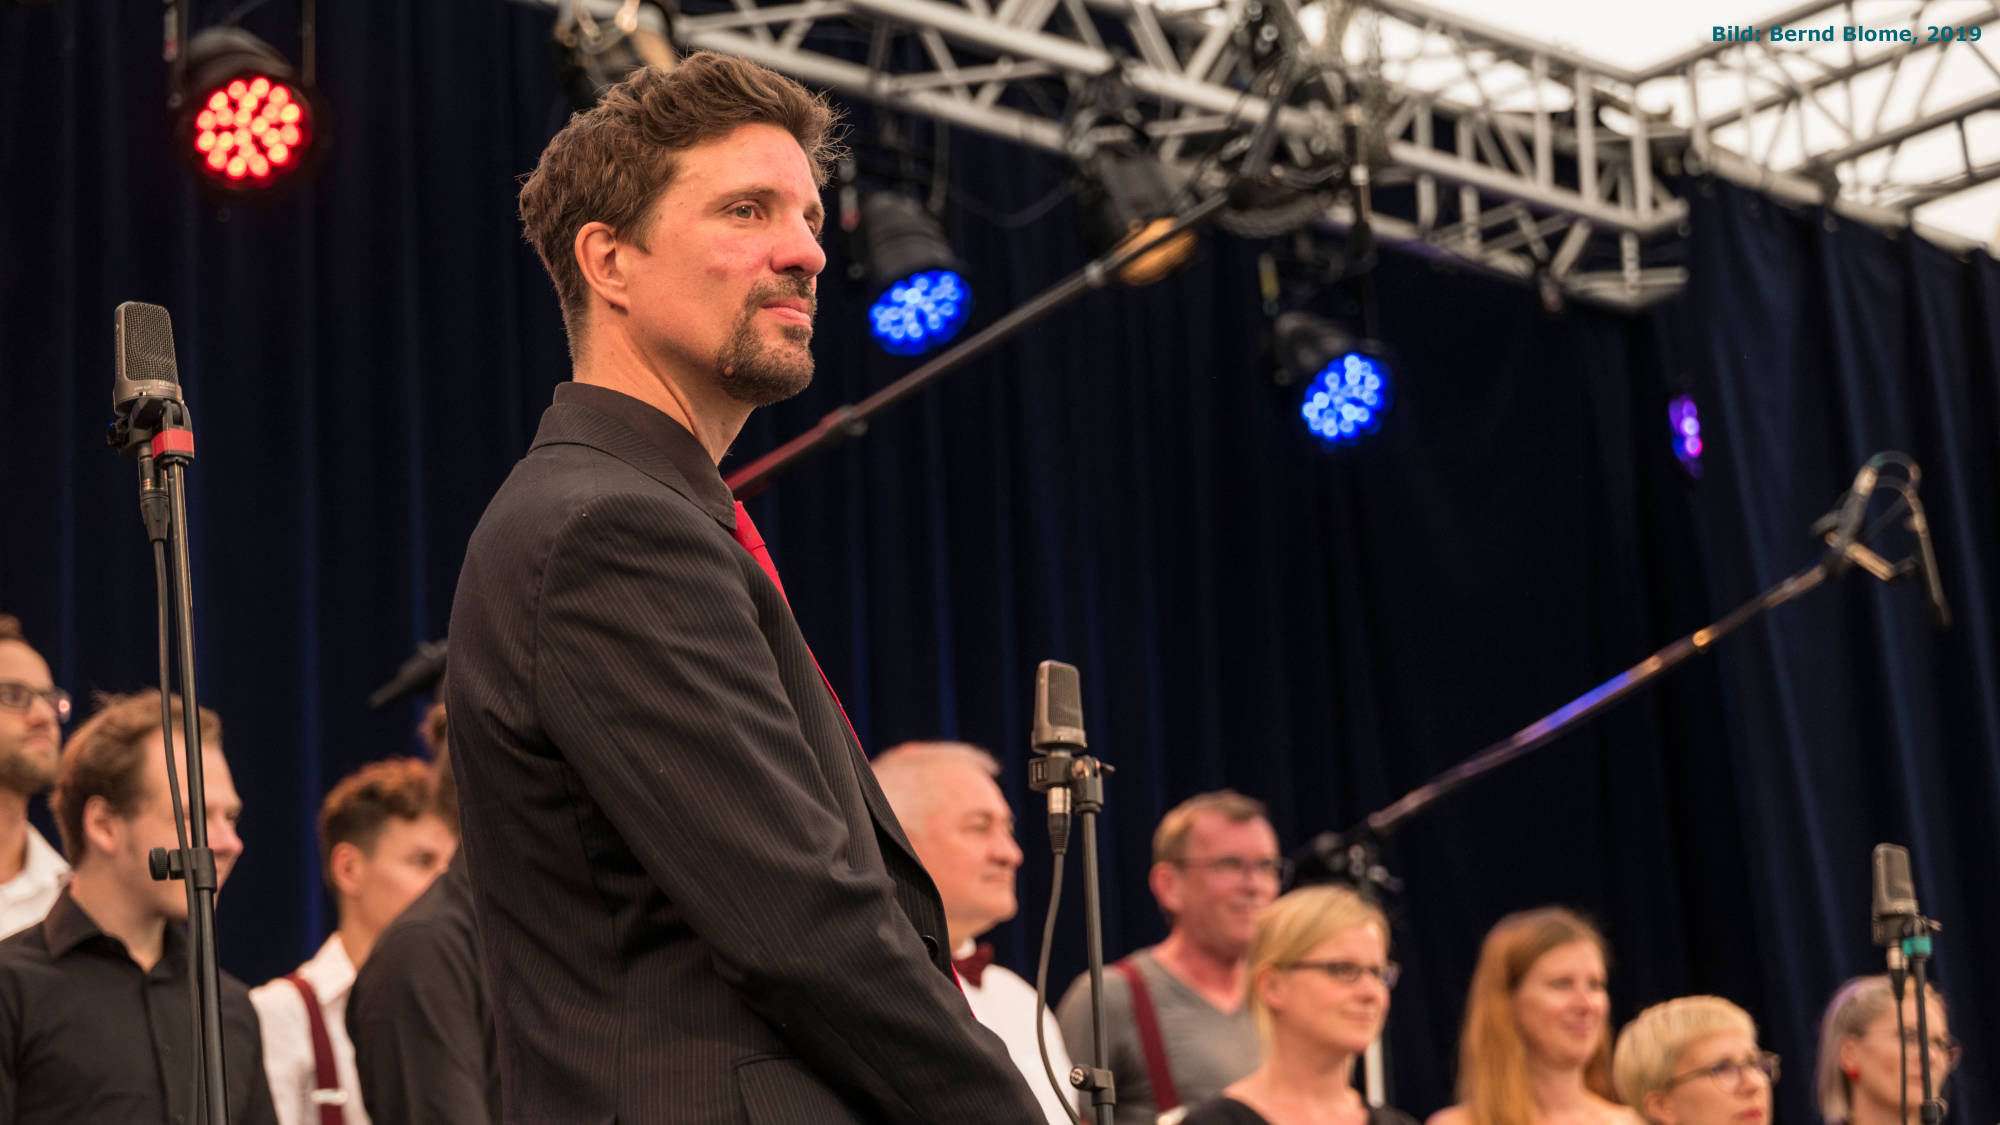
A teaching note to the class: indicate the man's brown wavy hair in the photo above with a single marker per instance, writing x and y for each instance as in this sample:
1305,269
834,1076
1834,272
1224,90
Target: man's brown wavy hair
611,162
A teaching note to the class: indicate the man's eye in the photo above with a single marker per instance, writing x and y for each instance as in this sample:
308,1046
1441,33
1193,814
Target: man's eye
744,210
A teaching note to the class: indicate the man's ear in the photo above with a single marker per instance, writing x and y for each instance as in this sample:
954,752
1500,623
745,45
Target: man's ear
597,249
1165,881
344,865
103,828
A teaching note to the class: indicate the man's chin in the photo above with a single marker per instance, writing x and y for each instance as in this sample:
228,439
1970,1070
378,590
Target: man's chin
764,383
28,771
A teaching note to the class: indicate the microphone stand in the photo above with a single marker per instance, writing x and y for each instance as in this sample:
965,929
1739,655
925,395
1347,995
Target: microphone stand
1355,854
158,432
1075,784
1916,948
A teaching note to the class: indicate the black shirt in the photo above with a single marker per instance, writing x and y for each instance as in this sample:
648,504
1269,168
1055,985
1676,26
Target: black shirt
418,1015
89,1038
1226,1110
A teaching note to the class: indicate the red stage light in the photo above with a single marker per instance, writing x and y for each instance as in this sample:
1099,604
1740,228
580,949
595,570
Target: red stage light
233,120
249,127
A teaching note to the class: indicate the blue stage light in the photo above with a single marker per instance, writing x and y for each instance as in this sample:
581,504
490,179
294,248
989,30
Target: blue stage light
920,311
1685,423
1347,398
917,294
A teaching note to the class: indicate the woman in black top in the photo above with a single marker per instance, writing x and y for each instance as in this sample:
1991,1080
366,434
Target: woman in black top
1318,984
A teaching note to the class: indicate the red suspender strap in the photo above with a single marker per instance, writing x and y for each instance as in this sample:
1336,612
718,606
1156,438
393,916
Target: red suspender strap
327,1094
1148,1022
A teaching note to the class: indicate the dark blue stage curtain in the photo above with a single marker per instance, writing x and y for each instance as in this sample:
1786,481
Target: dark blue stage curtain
1120,488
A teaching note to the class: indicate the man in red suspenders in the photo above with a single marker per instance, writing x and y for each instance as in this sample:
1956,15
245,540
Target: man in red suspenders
382,840
1178,1029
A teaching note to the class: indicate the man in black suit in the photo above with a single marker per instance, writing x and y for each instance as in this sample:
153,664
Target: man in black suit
694,902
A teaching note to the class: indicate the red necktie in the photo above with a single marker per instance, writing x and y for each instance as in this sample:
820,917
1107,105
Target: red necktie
973,965
746,534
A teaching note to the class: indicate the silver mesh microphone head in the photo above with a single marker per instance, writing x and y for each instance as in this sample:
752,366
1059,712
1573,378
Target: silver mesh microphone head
146,367
1058,708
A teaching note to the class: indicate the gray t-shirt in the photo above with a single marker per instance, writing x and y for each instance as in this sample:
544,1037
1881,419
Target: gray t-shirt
1206,1049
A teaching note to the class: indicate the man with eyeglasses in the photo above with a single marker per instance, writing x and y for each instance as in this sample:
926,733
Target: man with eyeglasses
32,712
1177,1028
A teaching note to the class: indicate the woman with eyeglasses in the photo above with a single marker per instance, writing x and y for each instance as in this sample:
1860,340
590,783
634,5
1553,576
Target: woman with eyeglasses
1695,1061
1317,981
1536,1046
1860,1054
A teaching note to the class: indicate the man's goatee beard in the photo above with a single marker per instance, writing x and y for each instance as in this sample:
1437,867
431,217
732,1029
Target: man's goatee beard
757,374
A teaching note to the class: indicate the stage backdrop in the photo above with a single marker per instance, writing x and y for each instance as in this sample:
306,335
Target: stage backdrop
1121,489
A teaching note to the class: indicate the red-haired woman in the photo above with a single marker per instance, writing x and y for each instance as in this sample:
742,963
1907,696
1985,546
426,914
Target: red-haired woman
1536,1046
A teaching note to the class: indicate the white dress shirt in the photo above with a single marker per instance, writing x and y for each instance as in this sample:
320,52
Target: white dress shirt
25,899
288,1049
1005,1005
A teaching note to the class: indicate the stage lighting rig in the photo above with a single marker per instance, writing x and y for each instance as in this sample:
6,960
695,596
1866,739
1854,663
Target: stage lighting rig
247,122
918,297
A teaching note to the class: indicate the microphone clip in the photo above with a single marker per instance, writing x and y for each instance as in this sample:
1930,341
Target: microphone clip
1074,784
159,425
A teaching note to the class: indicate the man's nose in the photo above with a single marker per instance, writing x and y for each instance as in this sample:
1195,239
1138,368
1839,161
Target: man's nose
41,712
799,251
222,838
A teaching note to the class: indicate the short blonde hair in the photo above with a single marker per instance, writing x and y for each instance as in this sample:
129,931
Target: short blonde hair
1170,839
1289,928
1858,1003
1653,1041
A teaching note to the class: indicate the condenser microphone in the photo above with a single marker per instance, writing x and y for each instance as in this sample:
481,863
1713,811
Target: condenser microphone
1927,562
1058,708
146,367
1853,509
1058,735
1894,910
145,386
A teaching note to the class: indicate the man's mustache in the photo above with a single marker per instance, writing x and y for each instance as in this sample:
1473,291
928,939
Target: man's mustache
801,288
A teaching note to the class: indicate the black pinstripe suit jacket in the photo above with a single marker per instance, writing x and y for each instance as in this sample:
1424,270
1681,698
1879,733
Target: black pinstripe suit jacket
693,899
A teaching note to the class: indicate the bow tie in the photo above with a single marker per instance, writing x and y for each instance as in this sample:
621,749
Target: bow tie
973,965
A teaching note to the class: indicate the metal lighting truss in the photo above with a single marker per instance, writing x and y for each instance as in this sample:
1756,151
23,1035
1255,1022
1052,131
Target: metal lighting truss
1478,145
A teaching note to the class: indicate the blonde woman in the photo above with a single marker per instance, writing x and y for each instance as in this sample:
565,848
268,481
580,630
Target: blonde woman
1695,1061
1859,1054
1317,981
1536,1047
